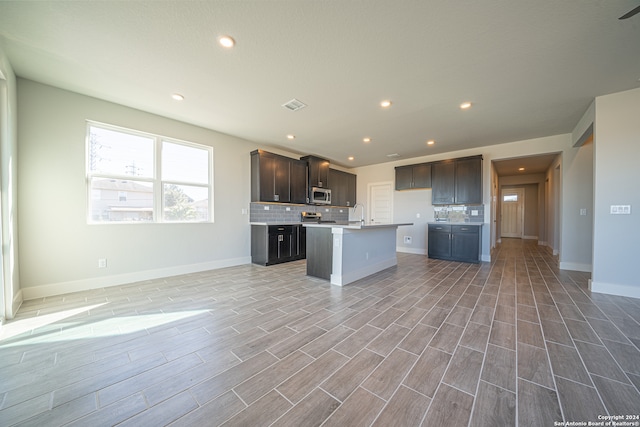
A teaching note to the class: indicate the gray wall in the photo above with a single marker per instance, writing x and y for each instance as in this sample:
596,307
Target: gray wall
616,237
59,250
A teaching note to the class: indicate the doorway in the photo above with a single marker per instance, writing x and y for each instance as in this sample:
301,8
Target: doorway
380,201
512,212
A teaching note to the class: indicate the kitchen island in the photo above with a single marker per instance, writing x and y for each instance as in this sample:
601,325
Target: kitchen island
344,253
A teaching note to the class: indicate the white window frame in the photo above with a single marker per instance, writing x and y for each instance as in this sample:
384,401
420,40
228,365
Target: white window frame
155,180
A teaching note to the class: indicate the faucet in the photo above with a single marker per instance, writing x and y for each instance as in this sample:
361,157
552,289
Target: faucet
362,213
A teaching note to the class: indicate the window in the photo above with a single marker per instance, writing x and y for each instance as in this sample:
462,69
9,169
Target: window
510,198
138,177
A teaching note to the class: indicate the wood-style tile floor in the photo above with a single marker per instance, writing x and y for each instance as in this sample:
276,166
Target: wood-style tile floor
432,343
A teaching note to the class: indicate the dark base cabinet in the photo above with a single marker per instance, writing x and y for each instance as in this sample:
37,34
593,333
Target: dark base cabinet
274,244
455,242
320,249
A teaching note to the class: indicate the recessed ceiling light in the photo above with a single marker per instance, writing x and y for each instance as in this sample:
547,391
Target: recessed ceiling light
385,103
367,139
430,142
465,105
291,136
351,157
177,97
520,169
226,41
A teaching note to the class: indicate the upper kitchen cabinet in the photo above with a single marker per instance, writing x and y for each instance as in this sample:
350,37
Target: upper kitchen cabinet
413,176
443,182
469,180
298,182
457,181
318,170
343,188
272,175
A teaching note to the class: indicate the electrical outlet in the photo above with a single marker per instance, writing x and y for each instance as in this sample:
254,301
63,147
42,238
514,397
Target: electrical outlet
417,215
583,212
474,212
102,263
620,210
287,209
407,239
266,208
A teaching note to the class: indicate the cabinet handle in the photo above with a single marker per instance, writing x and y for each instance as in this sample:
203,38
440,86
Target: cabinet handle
280,238
276,197
464,229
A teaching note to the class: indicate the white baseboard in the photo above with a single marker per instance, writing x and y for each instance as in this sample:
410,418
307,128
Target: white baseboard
542,243
406,250
632,291
575,266
555,252
530,237
342,279
60,288
485,258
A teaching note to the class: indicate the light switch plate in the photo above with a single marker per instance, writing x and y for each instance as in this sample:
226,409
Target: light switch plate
583,211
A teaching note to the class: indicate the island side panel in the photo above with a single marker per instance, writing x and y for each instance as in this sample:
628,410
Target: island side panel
319,252
360,253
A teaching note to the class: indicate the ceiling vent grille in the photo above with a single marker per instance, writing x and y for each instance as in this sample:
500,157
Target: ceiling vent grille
294,105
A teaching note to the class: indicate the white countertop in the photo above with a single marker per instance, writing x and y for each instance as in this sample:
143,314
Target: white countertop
477,224
354,225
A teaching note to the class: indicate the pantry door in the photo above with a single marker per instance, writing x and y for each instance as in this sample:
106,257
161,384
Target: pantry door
512,212
380,200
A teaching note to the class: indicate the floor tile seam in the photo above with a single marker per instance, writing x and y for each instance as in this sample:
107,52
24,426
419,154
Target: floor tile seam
234,388
453,354
49,405
294,405
482,380
554,375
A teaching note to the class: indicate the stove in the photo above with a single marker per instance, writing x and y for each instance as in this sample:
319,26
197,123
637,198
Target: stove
315,217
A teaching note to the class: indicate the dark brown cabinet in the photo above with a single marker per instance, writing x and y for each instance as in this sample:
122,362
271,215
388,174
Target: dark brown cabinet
343,188
443,182
457,182
274,244
454,242
318,170
276,178
413,176
469,180
298,181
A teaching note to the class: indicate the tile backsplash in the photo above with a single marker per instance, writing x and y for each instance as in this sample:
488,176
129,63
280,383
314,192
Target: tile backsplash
471,213
281,213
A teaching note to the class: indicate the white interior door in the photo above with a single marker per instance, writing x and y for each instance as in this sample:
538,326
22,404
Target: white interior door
381,202
512,212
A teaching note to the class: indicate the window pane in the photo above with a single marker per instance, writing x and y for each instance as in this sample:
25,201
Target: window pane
116,200
119,153
185,203
184,163
510,198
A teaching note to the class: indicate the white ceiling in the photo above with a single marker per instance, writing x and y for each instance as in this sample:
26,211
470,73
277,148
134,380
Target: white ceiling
530,68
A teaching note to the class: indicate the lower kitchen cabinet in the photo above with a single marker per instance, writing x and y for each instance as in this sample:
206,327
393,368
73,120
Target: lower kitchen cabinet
455,242
274,244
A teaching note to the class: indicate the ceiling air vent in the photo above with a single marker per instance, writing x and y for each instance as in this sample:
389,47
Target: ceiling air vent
294,105
393,155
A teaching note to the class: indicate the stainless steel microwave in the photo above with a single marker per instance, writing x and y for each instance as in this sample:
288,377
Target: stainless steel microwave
320,196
